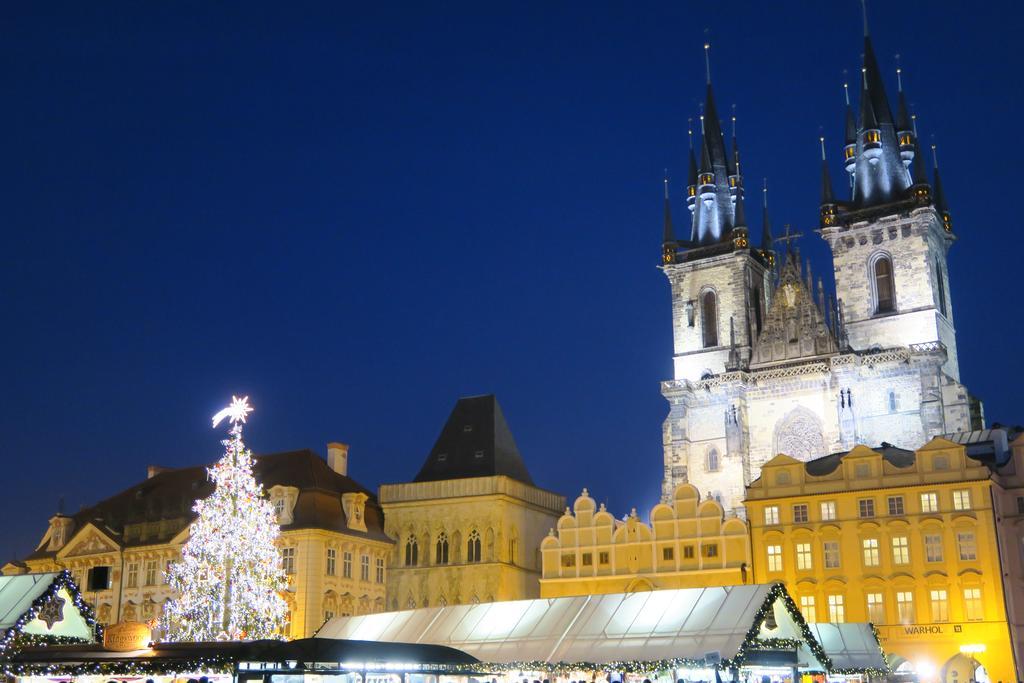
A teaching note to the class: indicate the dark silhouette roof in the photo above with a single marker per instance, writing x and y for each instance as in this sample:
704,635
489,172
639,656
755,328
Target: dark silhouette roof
157,509
897,457
475,442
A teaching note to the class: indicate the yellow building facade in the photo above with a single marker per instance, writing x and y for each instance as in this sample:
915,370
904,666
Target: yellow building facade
688,544
468,527
332,541
905,540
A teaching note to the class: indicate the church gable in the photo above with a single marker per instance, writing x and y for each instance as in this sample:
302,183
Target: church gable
795,326
89,541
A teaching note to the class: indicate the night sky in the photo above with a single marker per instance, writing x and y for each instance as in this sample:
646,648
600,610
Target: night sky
355,214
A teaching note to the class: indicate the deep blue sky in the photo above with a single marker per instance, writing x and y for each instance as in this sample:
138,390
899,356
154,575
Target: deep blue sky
356,214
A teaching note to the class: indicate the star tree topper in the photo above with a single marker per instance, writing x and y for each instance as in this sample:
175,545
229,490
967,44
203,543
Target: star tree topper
236,412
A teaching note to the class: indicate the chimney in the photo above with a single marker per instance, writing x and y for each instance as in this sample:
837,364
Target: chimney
337,457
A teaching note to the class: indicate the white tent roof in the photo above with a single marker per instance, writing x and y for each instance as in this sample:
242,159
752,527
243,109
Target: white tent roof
850,646
647,626
18,592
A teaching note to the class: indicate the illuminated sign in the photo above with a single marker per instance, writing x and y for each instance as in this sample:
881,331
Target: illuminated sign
126,636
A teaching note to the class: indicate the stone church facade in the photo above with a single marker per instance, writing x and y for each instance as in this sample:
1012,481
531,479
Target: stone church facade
764,361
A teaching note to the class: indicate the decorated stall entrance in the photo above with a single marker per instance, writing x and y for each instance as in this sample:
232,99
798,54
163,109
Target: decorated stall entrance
741,632
44,609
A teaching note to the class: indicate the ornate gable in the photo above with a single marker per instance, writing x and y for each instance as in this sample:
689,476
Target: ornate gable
89,541
795,326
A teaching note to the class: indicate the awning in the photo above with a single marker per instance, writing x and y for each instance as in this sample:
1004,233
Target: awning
851,647
45,606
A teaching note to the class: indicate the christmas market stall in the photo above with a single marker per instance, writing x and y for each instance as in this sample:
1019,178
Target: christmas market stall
266,661
743,633
44,609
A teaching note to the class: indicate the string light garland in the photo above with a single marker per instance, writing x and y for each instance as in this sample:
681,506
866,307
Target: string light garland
14,638
229,581
139,667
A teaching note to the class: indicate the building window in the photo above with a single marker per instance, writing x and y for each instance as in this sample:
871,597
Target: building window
1020,505
513,550
828,511
807,608
972,604
150,573
668,554
332,561
441,549
379,567
800,513
602,557
569,560
929,502
771,515
587,559
775,558
962,499
803,556
900,550
710,549
905,606
346,565
871,557
885,290
941,288
132,575
412,552
279,509
933,547
709,318
288,560
712,461
831,554
966,544
896,506
364,568
687,552
99,578
876,608
894,401
940,605
473,546
836,609
756,298
866,507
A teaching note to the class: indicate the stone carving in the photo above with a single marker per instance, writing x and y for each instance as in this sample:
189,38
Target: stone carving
799,435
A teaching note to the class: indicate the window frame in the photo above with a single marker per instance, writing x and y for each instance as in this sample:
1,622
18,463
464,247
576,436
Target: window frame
875,277
709,335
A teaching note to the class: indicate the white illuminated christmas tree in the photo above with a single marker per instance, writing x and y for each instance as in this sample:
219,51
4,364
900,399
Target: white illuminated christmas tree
229,580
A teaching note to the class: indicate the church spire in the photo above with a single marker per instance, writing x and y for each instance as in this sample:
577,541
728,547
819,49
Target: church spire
691,184
828,203
668,242
940,196
713,215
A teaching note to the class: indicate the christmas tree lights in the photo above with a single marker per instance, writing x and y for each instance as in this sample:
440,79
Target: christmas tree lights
229,579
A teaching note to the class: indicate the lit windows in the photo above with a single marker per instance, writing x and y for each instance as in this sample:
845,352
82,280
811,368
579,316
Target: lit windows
973,610
132,578
668,554
602,557
871,557
800,515
803,556
929,502
288,560
587,559
940,605
828,511
885,290
876,608
831,554
568,560
346,565
836,609
933,547
771,515
379,566
332,561
775,558
900,550
967,545
807,608
866,507
905,606
962,499
687,552
150,573
364,568
710,549
896,506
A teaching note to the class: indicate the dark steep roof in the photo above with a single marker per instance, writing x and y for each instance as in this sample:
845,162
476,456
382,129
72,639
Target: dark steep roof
475,442
157,509
897,457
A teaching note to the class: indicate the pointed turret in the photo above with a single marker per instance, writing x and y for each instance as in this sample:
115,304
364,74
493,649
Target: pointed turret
668,241
828,208
767,248
904,124
739,231
691,185
940,196
850,144
919,176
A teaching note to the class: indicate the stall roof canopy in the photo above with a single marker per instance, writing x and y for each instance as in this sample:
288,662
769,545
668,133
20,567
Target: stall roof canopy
44,604
850,646
657,625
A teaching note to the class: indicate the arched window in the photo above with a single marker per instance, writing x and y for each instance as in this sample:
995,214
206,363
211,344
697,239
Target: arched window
756,297
441,554
942,288
712,461
412,552
473,546
885,289
894,401
709,318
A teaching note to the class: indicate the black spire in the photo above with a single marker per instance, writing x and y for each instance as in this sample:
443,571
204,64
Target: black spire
740,221
766,226
851,122
939,195
903,122
874,85
693,159
669,236
826,179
